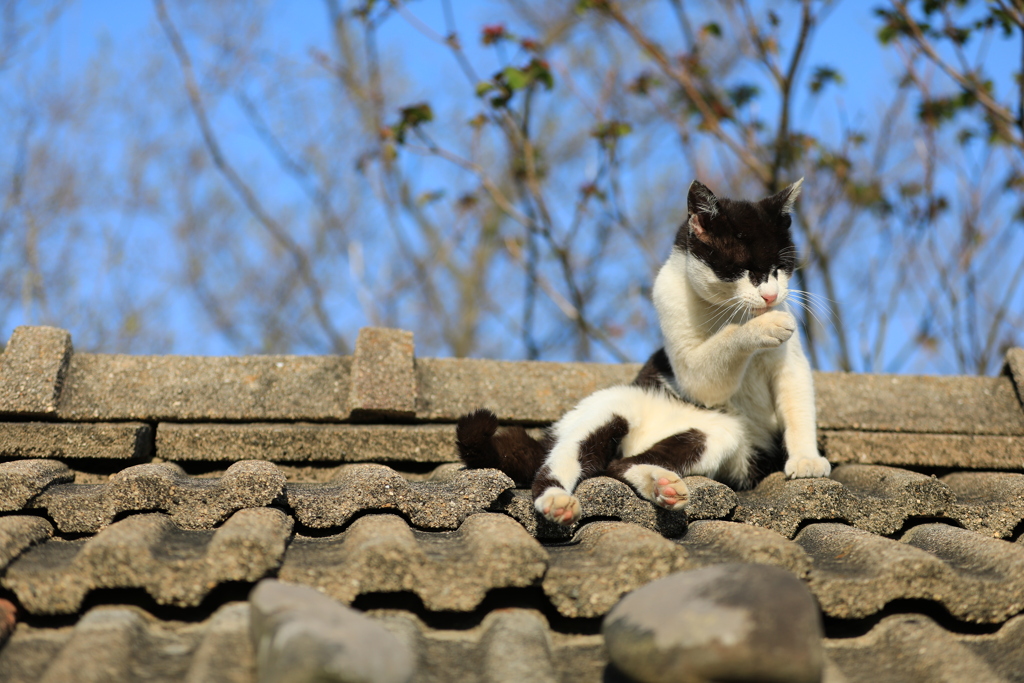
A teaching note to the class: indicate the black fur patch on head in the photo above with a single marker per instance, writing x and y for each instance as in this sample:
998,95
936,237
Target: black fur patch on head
679,453
735,236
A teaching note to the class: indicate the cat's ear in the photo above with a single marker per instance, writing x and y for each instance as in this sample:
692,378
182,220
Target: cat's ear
785,199
702,205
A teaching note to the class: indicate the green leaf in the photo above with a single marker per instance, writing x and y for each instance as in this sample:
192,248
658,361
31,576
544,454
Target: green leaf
484,87
515,78
823,75
712,29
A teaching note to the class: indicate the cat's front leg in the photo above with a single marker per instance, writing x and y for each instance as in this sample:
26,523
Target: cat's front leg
794,397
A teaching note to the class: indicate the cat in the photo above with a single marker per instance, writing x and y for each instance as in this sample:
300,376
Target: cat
730,389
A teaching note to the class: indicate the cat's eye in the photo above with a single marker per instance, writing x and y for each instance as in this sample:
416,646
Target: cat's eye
786,220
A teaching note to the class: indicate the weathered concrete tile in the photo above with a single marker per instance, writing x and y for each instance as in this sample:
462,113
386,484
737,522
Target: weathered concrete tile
152,388
709,499
294,443
1003,651
299,634
439,504
911,647
711,542
101,648
856,573
110,441
991,503
126,644
605,561
1015,369
18,532
783,505
904,403
962,451
175,567
604,498
447,570
23,480
886,497
509,646
383,383
192,503
989,586
519,391
32,370
731,622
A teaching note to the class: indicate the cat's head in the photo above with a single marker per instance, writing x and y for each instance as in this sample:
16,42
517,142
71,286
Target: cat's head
740,253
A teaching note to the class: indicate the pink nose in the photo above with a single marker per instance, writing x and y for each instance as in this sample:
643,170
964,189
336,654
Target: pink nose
768,298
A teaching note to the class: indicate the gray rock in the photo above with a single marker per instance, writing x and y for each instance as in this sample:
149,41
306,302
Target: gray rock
301,635
32,370
116,441
383,376
298,443
729,622
23,480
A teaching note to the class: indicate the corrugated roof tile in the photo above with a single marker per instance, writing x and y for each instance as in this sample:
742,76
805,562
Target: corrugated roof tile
192,503
440,504
176,567
23,480
447,570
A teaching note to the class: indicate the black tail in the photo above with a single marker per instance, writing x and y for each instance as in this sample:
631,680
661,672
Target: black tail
512,451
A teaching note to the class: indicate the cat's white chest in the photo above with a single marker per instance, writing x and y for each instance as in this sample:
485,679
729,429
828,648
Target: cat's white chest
754,401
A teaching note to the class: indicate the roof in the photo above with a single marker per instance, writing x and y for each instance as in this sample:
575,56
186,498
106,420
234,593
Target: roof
143,497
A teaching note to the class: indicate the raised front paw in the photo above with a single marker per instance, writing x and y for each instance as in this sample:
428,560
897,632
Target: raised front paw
807,467
771,329
559,506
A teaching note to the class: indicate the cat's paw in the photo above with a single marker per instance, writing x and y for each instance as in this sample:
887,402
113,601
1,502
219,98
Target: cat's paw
807,467
559,506
662,487
771,329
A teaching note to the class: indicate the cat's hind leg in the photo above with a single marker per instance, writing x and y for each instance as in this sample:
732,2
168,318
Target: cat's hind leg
656,473
586,439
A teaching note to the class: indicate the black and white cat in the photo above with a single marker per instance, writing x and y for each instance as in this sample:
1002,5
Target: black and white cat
729,388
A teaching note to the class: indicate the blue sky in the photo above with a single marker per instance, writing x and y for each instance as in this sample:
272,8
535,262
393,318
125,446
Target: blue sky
845,41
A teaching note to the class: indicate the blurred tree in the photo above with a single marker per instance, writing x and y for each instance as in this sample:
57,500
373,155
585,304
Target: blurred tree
231,185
